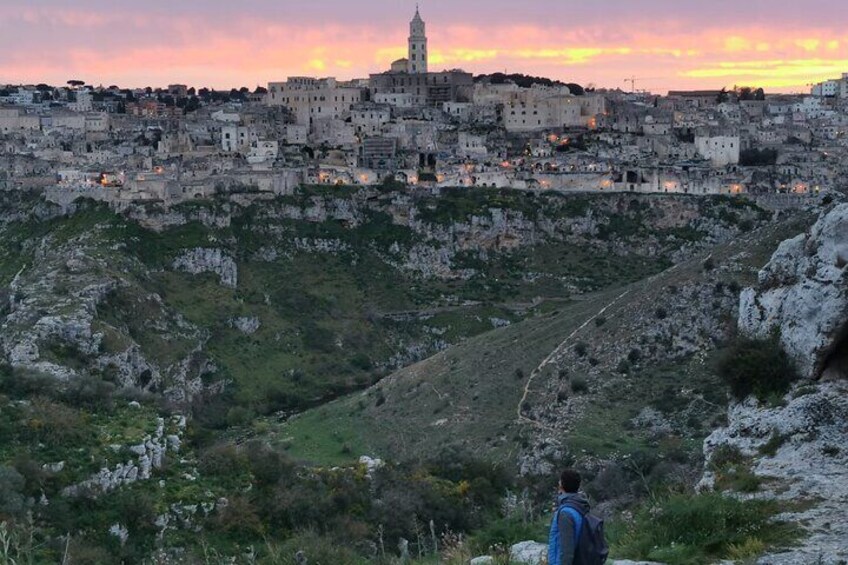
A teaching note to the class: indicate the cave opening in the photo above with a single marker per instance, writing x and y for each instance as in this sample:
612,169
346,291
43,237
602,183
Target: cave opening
834,365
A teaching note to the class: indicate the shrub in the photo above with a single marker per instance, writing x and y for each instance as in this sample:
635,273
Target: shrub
634,356
581,349
661,313
739,479
831,450
623,366
54,423
224,460
709,264
724,456
757,366
579,385
600,321
774,443
91,393
11,492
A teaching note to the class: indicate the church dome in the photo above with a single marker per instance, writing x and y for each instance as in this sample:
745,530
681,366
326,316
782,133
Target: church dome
400,66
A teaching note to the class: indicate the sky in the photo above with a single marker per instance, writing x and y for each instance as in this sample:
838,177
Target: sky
781,45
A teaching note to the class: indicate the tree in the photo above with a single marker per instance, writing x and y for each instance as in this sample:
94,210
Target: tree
11,492
76,83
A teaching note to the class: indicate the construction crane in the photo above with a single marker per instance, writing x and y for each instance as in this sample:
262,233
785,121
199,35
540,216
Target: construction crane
632,80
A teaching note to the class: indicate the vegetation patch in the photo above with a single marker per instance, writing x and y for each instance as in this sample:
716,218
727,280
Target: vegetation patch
686,529
758,367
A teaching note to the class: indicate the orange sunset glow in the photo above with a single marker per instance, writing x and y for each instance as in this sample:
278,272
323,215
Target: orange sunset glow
664,46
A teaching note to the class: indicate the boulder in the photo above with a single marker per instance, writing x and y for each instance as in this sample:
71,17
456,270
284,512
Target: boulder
803,293
247,325
529,553
482,560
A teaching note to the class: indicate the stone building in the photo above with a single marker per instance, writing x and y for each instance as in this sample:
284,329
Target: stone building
309,99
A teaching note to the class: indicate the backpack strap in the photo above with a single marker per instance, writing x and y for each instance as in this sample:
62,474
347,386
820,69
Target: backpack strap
577,518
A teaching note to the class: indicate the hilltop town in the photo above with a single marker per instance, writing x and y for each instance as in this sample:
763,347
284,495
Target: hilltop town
417,127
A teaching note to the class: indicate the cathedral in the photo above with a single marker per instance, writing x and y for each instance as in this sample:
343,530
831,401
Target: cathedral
409,82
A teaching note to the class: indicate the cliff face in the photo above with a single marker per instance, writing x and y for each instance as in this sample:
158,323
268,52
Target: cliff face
803,294
794,449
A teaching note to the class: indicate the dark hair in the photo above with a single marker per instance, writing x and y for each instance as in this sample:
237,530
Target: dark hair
569,480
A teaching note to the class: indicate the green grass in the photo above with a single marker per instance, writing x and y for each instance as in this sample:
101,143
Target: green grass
699,529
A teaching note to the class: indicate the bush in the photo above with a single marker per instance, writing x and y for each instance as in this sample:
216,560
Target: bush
757,366
775,442
581,349
224,460
701,529
579,385
54,423
11,492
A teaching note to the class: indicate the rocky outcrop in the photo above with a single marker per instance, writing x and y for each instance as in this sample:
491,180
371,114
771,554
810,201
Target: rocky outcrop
803,294
208,260
799,450
147,456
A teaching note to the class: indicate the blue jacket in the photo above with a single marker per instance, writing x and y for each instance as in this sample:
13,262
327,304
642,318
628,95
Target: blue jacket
565,529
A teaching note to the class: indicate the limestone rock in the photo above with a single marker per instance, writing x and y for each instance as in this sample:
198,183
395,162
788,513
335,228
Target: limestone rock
810,464
529,553
149,455
246,325
803,293
209,260
121,532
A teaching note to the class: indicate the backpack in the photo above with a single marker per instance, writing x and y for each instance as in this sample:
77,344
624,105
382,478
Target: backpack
592,546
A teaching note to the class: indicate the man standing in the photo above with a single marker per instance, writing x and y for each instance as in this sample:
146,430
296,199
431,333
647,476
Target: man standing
569,525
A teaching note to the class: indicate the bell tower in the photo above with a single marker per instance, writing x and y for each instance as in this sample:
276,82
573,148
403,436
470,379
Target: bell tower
418,56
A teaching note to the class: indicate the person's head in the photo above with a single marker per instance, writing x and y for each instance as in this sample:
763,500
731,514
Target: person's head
569,481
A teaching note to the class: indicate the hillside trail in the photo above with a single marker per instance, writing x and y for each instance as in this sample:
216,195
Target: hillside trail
555,354
741,241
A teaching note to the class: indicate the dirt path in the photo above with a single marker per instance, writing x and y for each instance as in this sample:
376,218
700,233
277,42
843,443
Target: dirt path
556,352
522,419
